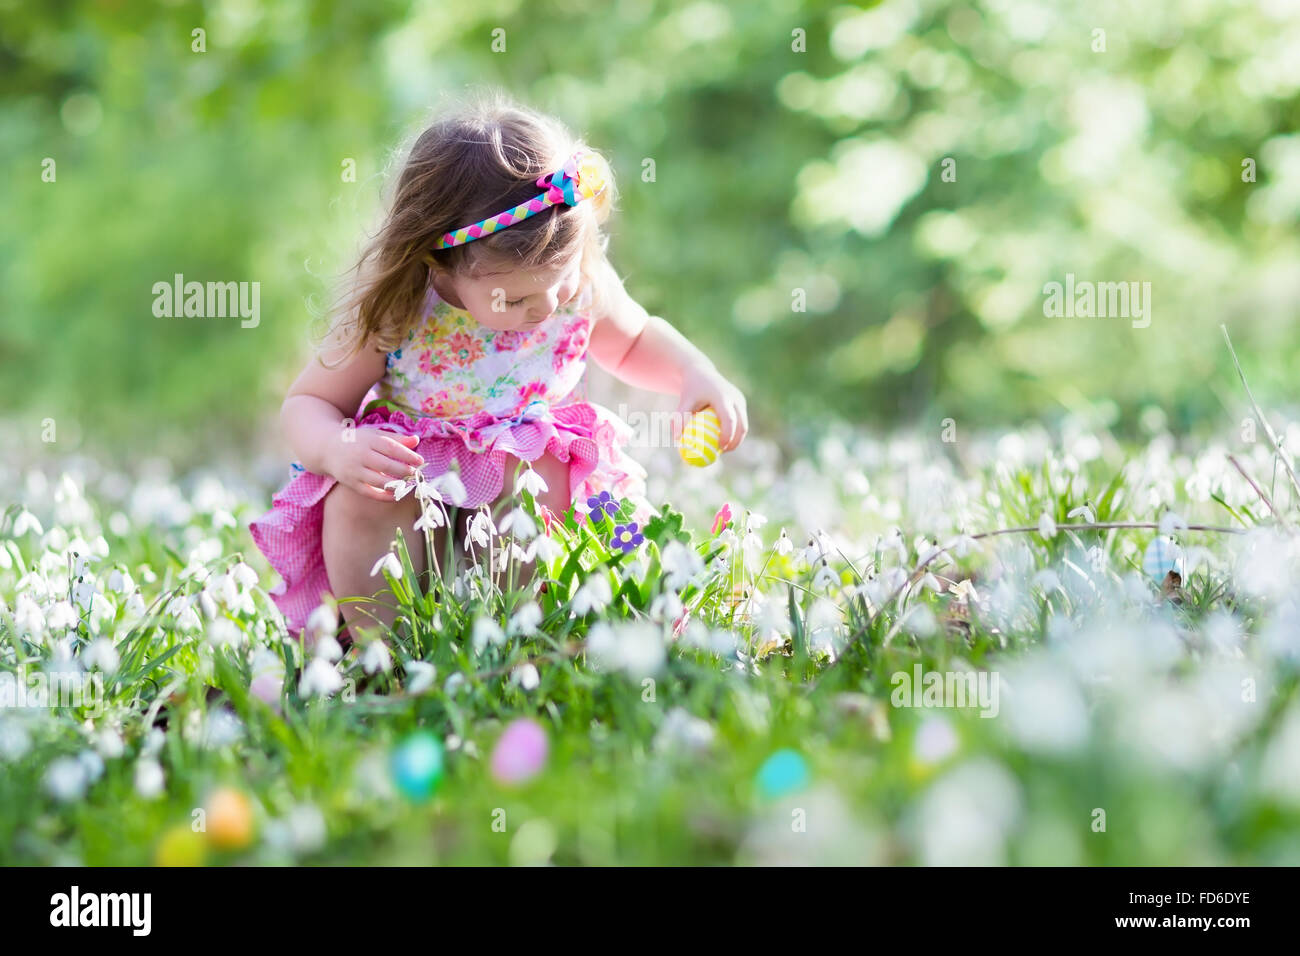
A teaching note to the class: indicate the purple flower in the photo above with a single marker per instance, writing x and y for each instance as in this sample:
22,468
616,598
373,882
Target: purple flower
602,504
627,537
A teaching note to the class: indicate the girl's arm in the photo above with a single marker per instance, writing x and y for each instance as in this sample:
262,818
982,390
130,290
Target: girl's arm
645,351
319,400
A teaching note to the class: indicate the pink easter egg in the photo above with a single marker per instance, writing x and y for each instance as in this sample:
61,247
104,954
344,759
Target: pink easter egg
520,753
266,688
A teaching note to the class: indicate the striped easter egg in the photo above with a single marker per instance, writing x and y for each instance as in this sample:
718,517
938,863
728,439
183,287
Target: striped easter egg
700,436
1162,556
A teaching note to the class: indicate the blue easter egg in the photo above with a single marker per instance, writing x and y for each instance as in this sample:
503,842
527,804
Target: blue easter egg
1162,556
783,772
416,765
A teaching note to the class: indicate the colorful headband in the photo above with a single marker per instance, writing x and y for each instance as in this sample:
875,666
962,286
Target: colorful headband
583,176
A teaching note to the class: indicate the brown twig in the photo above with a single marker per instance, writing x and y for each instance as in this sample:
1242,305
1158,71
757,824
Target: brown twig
1259,491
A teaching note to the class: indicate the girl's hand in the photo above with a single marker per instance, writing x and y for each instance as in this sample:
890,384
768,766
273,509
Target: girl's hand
707,386
372,459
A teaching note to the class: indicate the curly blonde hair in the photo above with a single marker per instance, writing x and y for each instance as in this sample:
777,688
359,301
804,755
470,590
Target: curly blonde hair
481,156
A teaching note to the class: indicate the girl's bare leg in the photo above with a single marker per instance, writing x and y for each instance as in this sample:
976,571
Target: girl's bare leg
356,533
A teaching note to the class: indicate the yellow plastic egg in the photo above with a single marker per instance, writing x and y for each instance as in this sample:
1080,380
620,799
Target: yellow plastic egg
700,437
180,846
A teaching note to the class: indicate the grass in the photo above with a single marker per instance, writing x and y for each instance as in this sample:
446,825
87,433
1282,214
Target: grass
1138,719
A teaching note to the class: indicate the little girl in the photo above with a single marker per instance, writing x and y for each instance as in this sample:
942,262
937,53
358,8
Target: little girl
465,341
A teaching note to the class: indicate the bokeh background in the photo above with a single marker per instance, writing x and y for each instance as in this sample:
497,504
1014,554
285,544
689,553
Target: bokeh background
775,170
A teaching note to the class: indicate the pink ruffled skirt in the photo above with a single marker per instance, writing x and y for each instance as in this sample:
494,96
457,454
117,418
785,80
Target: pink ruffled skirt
587,435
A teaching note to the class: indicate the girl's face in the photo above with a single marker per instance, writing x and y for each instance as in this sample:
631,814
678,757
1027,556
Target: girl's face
508,299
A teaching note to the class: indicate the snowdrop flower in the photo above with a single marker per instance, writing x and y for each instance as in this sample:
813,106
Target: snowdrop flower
420,676
453,683
825,577
526,619
187,620
102,654
431,516
683,730
527,676
451,487
224,633
327,648
480,528
388,563
681,564
544,548
519,523
666,607
26,521
400,487
28,617
530,481
964,545
149,779
756,520
102,612
320,679
62,615
783,543
323,620
244,576
636,648
1084,512
1047,526
376,658
594,595
1171,521
109,744
153,742
486,631
65,779
221,729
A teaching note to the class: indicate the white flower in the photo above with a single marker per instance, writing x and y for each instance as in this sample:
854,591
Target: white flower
486,630
244,575
109,743
26,521
65,779
756,520
825,577
530,481
480,529
1047,526
666,607
518,522
451,487
636,648
149,779
526,619
431,517
102,654
324,620
153,742
681,729
376,657
594,595
320,679
400,487
62,615
681,564
224,633
28,617
544,548
420,676
527,676
1084,512
389,563
327,648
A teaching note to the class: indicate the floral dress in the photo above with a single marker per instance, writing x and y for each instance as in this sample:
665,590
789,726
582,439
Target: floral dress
472,395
